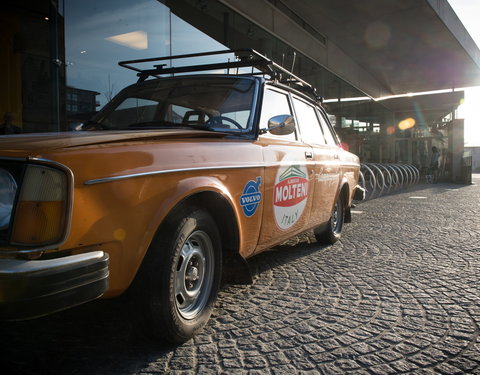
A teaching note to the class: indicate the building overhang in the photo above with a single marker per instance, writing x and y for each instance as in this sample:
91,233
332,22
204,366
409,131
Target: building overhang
428,109
379,47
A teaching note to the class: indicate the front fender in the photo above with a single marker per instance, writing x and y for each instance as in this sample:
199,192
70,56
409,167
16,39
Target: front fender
185,189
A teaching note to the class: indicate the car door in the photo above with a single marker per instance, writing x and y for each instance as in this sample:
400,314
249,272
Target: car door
289,175
325,155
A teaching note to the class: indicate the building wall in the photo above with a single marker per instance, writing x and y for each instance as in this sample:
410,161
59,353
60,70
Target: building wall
474,152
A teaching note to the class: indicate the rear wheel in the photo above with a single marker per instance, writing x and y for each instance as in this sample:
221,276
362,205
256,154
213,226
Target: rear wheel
331,232
181,277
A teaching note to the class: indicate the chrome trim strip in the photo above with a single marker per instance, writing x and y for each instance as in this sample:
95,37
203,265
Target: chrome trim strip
25,267
179,170
153,173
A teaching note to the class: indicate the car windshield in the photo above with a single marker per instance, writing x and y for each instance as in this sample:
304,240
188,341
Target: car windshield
211,103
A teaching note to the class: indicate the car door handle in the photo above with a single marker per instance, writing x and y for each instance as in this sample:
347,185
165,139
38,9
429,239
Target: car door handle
335,156
308,155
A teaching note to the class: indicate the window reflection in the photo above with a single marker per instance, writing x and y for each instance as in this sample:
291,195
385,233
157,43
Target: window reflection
203,103
69,70
99,34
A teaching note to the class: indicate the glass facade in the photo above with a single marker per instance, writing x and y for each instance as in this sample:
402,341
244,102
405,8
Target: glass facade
59,62
100,34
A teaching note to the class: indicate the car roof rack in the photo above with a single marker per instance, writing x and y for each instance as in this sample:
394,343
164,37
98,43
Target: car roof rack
244,58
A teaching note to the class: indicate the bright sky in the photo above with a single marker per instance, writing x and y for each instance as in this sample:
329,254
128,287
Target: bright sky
468,11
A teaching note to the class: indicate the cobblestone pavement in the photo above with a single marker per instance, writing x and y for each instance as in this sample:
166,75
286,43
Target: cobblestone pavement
399,294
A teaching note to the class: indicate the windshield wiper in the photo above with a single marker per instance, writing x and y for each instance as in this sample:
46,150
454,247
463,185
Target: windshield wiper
149,125
168,125
93,125
195,127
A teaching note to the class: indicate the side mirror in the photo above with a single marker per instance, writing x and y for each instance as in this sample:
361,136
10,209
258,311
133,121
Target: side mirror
281,125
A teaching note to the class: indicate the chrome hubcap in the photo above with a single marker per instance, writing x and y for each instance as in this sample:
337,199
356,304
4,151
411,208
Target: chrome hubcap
335,217
194,275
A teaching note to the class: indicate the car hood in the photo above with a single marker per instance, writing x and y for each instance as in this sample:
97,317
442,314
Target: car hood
35,142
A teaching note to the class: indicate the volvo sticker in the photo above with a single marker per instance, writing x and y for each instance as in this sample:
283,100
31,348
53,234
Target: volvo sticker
251,197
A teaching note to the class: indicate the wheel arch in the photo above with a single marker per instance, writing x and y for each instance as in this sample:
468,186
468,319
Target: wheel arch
344,193
221,209
222,213
235,267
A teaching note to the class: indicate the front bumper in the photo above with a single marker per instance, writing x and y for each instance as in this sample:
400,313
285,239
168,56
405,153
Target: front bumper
359,194
32,288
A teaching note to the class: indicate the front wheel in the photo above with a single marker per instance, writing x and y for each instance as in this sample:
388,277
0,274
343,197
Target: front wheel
181,277
331,232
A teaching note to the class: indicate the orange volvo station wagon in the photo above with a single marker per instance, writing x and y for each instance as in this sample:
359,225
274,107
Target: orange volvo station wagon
167,191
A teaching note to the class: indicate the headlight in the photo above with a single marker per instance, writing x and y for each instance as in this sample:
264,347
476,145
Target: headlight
8,189
40,215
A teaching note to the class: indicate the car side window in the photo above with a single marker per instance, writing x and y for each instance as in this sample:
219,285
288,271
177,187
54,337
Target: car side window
327,131
308,122
275,103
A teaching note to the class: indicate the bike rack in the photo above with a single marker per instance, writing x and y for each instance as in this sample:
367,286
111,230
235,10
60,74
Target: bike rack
379,179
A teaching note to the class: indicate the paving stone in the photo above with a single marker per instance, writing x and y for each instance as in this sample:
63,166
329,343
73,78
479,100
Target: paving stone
254,361
447,369
403,366
399,294
382,370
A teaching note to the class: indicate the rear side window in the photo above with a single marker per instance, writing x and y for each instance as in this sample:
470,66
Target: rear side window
308,122
327,131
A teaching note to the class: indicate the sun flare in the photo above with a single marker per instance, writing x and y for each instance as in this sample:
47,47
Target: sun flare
470,111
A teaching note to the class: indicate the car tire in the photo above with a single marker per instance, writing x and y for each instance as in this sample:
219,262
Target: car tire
181,277
332,231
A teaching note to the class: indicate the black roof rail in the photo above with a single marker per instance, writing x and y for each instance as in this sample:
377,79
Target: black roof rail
244,58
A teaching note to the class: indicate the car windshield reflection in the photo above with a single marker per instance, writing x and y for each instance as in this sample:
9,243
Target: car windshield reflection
203,103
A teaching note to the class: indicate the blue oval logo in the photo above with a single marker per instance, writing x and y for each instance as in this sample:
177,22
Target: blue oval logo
251,197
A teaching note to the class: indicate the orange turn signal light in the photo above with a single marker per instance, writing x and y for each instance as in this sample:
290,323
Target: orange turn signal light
40,215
